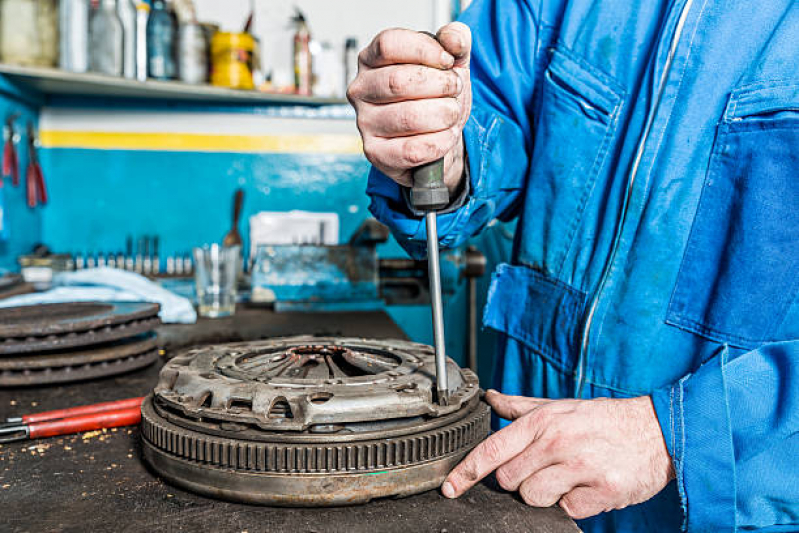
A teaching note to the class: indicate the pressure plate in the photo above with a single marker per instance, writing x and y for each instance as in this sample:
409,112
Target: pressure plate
309,421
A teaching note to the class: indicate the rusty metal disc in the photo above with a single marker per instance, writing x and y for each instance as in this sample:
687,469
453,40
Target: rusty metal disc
309,421
61,367
39,328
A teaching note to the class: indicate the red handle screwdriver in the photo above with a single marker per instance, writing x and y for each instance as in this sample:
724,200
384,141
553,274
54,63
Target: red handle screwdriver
72,420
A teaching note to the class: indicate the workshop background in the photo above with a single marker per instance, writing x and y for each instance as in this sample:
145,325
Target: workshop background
125,159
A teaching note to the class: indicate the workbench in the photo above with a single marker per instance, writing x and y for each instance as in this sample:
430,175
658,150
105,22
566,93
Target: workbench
97,481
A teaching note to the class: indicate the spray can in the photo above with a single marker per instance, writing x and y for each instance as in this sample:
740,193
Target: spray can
192,54
74,35
303,71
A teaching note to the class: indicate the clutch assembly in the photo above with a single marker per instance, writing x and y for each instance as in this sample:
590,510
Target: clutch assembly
310,421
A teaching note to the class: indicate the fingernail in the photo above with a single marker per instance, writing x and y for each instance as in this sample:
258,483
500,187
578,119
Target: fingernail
448,490
447,60
491,391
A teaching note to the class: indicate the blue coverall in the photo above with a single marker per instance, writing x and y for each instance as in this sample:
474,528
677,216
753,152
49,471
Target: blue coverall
651,152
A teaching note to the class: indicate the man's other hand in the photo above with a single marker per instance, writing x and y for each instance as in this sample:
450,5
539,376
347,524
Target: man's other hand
413,97
589,456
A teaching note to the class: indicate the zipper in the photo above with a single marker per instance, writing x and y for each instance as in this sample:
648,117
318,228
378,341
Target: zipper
579,381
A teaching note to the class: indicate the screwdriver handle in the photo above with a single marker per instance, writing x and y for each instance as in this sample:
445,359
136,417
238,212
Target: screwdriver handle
429,192
83,410
77,424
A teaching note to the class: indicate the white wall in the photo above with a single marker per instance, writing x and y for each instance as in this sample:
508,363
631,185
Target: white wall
329,20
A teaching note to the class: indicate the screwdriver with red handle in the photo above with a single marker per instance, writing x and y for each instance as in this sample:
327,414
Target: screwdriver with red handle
71,420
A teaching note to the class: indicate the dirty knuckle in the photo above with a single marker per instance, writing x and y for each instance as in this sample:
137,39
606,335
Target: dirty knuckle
416,153
407,120
354,92
532,497
370,150
504,479
397,83
451,114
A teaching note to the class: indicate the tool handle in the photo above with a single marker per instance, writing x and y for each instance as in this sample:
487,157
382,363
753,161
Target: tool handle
41,190
237,204
429,192
77,424
31,183
84,410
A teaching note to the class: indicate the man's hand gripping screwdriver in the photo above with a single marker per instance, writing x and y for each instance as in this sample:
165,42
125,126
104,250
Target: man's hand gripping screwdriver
412,97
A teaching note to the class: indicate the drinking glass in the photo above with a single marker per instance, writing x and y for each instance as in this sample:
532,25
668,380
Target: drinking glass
215,272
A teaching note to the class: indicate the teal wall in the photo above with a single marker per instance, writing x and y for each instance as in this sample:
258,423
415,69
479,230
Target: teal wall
99,197
22,226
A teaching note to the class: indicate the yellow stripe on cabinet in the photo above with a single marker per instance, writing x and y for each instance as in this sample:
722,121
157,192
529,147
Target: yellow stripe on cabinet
197,142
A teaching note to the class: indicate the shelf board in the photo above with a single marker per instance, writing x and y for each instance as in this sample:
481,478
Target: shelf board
51,81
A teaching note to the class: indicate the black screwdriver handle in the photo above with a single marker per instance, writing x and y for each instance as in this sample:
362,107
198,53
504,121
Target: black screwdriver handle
429,192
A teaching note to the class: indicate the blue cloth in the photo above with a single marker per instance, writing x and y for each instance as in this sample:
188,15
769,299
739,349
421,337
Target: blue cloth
110,285
651,153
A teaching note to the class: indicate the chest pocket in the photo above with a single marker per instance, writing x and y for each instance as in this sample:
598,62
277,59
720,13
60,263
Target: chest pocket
578,114
740,272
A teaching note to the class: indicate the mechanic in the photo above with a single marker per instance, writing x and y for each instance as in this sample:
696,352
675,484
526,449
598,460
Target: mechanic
650,151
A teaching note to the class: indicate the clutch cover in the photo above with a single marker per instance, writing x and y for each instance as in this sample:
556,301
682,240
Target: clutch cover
309,421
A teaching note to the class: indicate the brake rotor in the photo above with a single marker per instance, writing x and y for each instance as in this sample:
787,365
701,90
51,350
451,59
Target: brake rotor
309,421
39,328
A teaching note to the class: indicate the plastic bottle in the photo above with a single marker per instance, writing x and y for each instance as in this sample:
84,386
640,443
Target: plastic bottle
127,14
161,42
142,15
303,65
74,35
105,40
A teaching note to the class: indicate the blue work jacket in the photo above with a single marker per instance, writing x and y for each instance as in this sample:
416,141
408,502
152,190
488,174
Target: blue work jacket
651,152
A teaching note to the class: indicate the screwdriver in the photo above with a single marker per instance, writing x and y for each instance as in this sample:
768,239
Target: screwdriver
429,194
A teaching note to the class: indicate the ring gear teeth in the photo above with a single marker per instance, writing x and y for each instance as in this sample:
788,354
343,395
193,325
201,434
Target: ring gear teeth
309,421
323,458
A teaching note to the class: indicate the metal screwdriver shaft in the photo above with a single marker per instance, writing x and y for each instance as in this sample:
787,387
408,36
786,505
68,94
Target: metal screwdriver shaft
434,273
429,194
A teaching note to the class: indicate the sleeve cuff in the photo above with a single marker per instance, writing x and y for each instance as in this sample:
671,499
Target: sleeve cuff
694,417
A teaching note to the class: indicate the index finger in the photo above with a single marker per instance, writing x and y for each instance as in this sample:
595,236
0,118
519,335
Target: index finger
489,455
405,47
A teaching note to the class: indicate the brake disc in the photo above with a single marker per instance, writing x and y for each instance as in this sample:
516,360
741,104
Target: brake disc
309,421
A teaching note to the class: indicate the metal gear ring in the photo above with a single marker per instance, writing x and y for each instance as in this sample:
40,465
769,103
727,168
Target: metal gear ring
309,421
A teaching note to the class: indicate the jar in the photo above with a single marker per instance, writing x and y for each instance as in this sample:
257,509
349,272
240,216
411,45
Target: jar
231,59
29,32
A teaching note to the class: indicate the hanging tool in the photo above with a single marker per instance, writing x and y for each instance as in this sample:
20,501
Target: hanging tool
429,194
37,193
10,159
233,237
72,420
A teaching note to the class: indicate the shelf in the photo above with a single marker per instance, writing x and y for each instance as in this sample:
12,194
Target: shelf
50,81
